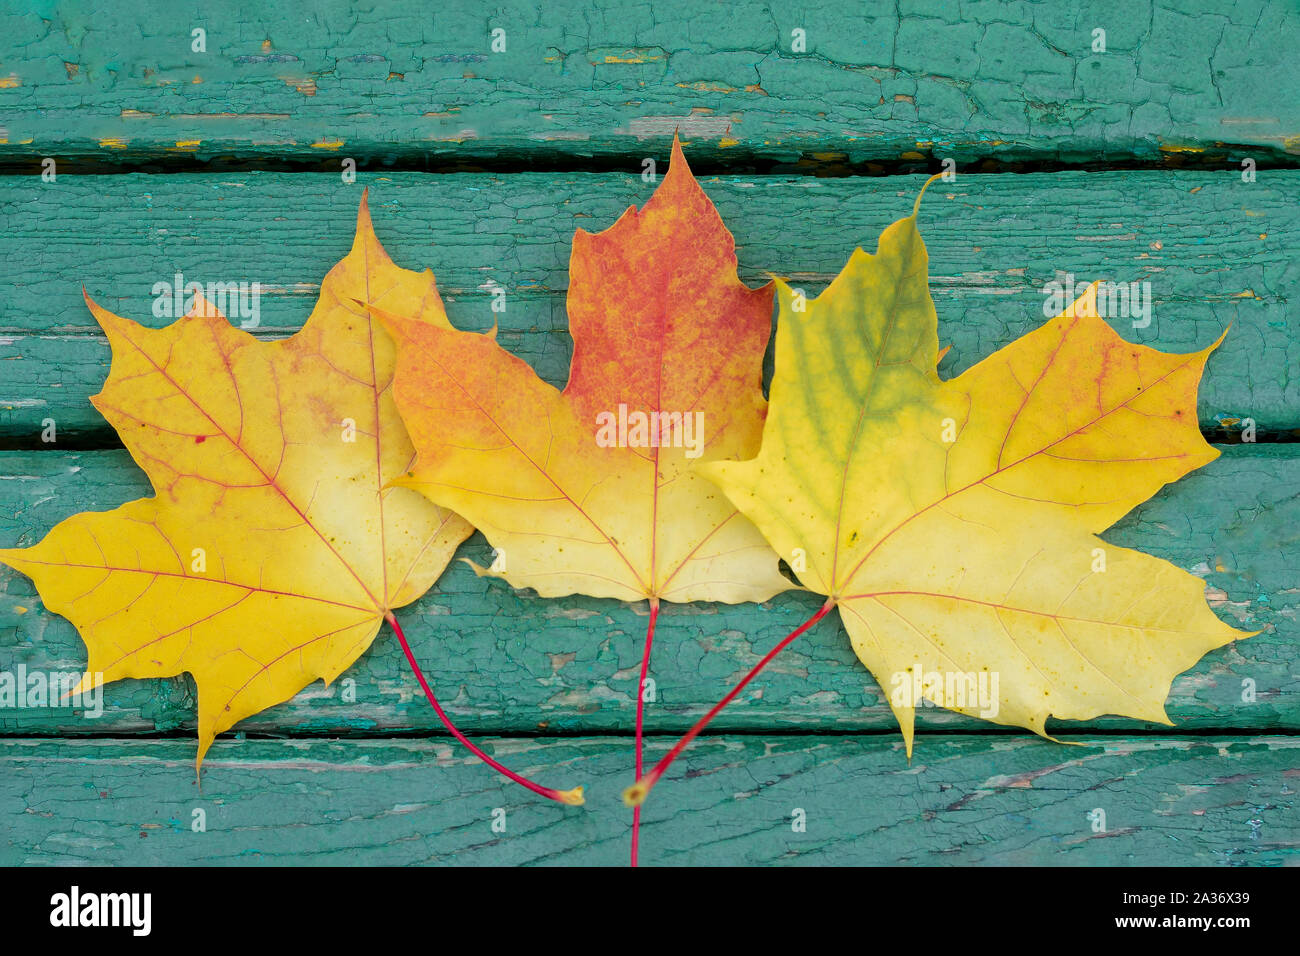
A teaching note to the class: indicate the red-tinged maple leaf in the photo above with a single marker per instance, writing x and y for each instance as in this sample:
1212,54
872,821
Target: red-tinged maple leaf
591,490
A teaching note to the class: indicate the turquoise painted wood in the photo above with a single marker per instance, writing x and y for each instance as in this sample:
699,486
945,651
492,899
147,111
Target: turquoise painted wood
510,662
223,165
963,800
1215,251
871,81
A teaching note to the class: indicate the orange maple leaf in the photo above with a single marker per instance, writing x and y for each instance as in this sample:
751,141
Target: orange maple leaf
590,490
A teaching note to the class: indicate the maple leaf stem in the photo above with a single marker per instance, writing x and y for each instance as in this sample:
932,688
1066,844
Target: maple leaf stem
572,797
635,795
640,715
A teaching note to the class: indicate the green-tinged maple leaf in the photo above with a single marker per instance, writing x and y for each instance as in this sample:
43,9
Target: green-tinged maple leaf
954,523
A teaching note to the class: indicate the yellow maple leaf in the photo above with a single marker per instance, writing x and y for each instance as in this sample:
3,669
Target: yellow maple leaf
954,523
272,550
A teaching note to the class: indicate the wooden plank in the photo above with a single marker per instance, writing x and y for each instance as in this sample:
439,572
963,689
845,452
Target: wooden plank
509,662
404,82
1216,251
1177,801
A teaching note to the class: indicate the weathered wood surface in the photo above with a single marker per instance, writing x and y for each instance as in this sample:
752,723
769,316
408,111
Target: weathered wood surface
600,85
510,662
963,800
877,81
1216,251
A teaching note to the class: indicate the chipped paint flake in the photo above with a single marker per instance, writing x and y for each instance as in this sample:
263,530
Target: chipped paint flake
693,126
